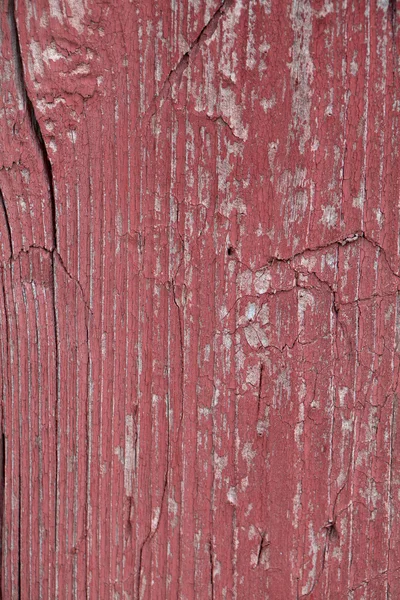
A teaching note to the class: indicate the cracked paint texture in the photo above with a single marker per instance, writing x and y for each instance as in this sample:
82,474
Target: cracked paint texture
200,299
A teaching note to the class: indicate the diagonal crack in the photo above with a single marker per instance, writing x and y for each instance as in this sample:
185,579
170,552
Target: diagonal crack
205,34
35,127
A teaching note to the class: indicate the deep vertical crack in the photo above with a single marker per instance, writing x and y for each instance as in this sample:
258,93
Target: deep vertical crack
2,495
57,408
3,440
260,382
211,555
393,14
30,111
7,220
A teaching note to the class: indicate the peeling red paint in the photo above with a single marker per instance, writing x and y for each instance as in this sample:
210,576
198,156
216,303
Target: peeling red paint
200,275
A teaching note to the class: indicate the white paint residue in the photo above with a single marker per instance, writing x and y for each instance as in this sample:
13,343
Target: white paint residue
248,454
118,451
293,187
255,336
35,64
302,69
253,375
173,510
231,111
77,10
129,455
155,518
22,204
305,300
250,311
262,281
82,69
354,65
272,150
263,314
25,175
232,496
228,59
329,216
118,221
297,505
52,54
268,104
380,217
245,280
72,135
314,555
220,462
251,47
343,391
55,10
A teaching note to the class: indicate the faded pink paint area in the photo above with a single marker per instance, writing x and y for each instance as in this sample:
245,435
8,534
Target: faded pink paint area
200,266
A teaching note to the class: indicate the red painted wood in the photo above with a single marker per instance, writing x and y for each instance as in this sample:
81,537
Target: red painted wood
199,312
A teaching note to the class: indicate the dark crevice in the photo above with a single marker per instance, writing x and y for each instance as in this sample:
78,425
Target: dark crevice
19,538
30,111
57,368
2,495
264,543
393,13
7,220
3,445
211,555
260,382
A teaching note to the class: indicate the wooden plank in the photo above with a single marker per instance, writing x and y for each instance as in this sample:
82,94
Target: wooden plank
200,264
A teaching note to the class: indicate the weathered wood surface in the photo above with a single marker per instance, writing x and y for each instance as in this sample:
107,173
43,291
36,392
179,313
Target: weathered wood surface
200,310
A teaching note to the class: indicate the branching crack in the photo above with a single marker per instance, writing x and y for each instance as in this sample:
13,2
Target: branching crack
350,239
54,253
78,283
